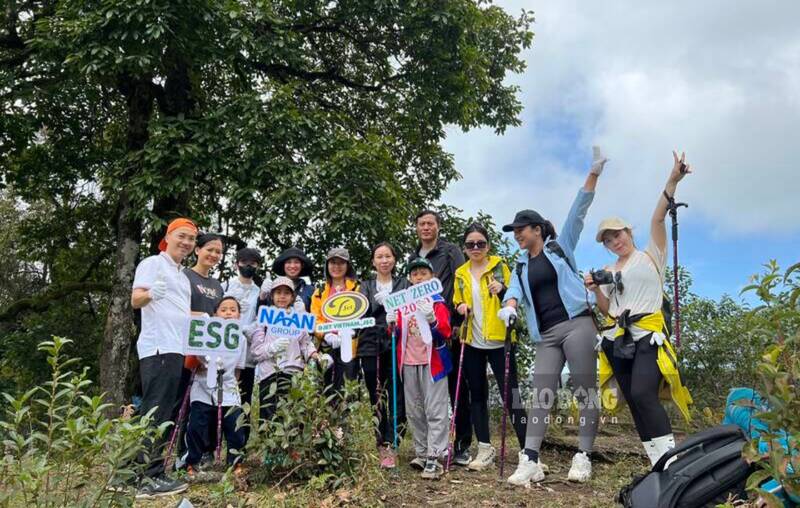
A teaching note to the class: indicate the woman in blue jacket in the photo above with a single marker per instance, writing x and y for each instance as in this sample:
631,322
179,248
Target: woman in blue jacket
559,319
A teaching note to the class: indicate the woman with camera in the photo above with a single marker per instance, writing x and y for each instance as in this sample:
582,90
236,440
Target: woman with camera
634,346
546,283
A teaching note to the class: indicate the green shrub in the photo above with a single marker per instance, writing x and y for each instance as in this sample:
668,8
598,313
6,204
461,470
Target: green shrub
779,378
322,437
59,448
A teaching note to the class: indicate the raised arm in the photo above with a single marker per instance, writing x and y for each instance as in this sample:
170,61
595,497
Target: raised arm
573,226
658,230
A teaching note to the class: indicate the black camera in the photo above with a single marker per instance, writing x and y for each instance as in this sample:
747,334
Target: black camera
602,277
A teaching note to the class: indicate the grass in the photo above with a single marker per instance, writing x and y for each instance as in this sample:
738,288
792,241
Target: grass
619,457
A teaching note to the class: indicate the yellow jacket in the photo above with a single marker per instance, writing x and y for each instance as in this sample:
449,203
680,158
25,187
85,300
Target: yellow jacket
671,386
493,327
318,298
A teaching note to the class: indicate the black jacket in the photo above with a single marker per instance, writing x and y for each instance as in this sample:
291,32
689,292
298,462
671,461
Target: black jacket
376,338
445,258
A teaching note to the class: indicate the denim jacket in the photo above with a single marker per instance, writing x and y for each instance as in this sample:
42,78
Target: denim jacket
570,284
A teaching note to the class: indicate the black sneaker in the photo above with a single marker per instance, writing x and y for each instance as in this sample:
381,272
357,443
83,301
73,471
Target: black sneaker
462,458
160,486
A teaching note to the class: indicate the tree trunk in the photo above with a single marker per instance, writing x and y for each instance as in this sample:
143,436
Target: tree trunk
116,360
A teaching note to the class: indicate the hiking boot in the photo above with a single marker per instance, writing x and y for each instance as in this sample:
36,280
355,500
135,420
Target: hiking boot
417,463
581,469
387,457
160,486
484,459
433,469
462,458
527,471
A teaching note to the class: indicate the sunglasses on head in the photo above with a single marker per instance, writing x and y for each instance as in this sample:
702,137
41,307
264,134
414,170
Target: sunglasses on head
480,244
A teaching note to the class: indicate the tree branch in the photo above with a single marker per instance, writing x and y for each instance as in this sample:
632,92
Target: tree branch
42,301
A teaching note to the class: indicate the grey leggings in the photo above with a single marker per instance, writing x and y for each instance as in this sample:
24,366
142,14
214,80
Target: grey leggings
572,340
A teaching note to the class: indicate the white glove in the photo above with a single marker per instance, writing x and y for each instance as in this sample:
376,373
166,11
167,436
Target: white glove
391,317
248,330
299,306
657,339
326,361
266,286
279,346
380,297
598,161
426,308
158,290
599,345
333,340
506,313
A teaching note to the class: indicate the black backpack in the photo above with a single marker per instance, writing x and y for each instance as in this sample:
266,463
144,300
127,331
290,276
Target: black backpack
709,467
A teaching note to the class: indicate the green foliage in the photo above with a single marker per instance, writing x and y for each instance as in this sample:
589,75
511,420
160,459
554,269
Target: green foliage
316,436
778,317
59,447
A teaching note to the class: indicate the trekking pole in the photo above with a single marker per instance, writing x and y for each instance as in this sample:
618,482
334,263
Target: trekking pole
506,410
394,386
220,372
179,423
672,206
458,389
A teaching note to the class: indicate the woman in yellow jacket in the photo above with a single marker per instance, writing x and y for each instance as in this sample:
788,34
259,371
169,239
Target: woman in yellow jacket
339,276
480,284
636,345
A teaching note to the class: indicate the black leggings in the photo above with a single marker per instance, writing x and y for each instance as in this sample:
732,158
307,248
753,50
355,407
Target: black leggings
475,372
639,379
367,367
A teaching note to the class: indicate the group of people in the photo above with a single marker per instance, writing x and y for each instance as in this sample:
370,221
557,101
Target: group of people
480,299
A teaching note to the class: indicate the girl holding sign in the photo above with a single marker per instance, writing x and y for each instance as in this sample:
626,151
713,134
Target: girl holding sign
480,285
374,357
280,355
339,276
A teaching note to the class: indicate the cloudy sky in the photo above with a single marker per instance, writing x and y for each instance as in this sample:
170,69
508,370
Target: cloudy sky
720,80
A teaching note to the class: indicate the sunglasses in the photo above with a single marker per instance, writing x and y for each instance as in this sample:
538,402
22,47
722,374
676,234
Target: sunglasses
480,244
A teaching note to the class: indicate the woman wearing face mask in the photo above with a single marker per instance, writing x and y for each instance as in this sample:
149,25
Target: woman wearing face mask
374,348
635,348
480,285
547,284
339,276
294,264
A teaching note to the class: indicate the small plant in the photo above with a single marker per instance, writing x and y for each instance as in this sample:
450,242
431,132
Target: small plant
60,448
315,434
779,377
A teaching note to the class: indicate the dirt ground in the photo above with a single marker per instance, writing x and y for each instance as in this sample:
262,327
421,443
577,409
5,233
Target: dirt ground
618,457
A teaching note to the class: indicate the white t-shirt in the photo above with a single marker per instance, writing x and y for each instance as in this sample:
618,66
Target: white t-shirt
478,341
201,392
381,286
247,295
642,290
163,320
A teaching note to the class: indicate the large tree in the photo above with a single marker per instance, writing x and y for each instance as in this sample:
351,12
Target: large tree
311,122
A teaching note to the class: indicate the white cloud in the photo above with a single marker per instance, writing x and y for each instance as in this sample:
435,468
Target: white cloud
720,80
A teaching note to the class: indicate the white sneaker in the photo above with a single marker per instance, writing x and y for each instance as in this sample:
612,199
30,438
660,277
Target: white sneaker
484,459
527,471
581,469
663,444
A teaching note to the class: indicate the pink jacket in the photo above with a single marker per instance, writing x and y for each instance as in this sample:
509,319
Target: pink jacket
294,359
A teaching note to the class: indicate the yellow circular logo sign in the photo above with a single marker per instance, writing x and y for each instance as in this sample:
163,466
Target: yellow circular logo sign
345,306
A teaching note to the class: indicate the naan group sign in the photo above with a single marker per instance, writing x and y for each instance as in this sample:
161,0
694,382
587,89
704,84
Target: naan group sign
285,323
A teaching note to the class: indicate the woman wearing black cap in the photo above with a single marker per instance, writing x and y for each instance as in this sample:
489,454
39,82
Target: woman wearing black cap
294,263
339,276
546,282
